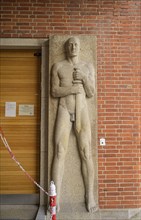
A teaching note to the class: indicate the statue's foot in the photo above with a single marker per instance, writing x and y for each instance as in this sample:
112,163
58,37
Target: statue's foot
91,205
92,208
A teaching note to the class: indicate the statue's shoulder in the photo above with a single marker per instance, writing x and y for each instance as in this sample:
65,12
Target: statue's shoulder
59,64
85,63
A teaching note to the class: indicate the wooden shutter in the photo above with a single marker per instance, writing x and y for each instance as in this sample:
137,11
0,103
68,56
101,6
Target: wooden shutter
20,83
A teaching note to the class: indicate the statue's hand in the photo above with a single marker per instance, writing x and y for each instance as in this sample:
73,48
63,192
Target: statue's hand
77,88
78,74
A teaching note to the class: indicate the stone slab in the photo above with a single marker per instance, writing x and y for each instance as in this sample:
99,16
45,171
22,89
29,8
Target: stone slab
73,186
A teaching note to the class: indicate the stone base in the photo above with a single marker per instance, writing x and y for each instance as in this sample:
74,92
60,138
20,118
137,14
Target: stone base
75,212
78,212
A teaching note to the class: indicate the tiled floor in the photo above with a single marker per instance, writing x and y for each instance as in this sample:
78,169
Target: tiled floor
18,212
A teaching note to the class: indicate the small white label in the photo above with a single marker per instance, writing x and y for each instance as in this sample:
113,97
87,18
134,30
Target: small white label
10,109
102,142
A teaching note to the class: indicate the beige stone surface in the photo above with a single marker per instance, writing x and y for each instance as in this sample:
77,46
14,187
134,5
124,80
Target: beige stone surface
72,185
77,213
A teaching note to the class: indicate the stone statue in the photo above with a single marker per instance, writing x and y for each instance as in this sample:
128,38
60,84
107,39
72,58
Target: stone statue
72,81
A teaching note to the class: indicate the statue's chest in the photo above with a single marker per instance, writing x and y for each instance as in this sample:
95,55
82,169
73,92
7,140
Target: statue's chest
66,72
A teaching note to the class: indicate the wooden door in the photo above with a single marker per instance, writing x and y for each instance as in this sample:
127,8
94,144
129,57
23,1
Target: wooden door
20,84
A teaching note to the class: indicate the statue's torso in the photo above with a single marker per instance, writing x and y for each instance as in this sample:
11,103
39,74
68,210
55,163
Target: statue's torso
65,74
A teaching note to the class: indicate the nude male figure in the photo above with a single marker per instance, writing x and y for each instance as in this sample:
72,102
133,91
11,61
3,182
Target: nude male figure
73,82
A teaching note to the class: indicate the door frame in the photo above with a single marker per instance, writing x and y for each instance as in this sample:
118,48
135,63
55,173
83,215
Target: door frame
42,44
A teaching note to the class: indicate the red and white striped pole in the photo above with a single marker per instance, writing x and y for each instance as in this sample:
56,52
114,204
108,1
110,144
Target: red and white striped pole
52,201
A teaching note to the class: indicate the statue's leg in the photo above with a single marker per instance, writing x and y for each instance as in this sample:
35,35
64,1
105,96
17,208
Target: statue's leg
63,127
84,145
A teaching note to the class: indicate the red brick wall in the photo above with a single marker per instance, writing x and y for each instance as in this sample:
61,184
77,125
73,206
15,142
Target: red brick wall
117,25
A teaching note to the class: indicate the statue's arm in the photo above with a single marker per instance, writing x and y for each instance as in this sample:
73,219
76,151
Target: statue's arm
59,91
89,82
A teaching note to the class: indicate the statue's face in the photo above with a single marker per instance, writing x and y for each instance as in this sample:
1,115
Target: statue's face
73,47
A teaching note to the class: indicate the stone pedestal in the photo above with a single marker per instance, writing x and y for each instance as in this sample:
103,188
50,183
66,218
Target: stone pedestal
77,213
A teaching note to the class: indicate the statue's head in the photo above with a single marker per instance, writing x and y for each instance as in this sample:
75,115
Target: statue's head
72,47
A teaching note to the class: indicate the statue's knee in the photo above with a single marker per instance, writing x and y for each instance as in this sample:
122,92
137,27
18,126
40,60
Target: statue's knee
85,154
60,152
